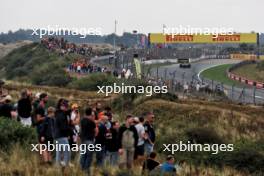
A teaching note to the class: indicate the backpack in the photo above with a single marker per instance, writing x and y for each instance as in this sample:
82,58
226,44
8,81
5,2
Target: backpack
128,140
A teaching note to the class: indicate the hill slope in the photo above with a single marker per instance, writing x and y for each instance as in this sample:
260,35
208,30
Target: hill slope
7,48
34,64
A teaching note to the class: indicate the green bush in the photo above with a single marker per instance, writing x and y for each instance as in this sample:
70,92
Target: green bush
246,157
12,132
56,77
33,63
203,136
90,82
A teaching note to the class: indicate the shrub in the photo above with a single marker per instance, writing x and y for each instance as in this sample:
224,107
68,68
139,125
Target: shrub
56,77
203,136
90,82
12,132
246,157
35,64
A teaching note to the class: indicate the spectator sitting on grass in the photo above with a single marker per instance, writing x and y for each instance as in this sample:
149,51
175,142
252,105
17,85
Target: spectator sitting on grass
150,164
168,168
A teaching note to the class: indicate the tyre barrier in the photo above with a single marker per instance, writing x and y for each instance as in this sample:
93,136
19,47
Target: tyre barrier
257,84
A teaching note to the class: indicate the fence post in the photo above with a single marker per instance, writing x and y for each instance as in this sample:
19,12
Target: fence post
123,63
157,71
165,73
243,95
183,78
254,95
232,92
222,87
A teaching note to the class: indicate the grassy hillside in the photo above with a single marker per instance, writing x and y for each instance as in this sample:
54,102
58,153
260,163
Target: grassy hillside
34,64
175,120
180,120
7,48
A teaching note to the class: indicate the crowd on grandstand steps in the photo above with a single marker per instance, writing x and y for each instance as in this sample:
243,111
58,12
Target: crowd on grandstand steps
64,47
121,144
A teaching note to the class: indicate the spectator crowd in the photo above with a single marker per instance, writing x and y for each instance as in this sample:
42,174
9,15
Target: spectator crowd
64,47
83,66
122,145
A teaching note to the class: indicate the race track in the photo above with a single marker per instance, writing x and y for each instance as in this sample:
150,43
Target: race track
183,75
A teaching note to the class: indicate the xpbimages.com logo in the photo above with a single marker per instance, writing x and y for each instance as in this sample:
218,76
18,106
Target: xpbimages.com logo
64,31
124,89
189,30
50,147
190,147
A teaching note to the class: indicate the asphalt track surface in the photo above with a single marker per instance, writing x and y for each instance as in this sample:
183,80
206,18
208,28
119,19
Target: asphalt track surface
193,74
237,94
196,67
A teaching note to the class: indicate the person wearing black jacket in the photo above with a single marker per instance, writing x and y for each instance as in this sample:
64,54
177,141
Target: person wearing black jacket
62,133
6,108
101,139
127,142
112,144
47,133
24,108
87,135
150,133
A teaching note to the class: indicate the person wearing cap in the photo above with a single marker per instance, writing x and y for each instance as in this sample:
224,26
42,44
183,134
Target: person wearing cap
24,108
6,108
150,133
62,133
127,142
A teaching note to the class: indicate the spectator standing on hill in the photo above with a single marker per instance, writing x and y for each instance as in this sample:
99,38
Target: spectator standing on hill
108,113
127,142
40,113
139,153
112,144
97,110
150,133
101,139
87,135
62,133
47,133
75,121
24,108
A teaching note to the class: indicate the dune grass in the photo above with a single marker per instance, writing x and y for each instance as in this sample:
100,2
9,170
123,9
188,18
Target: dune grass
240,125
